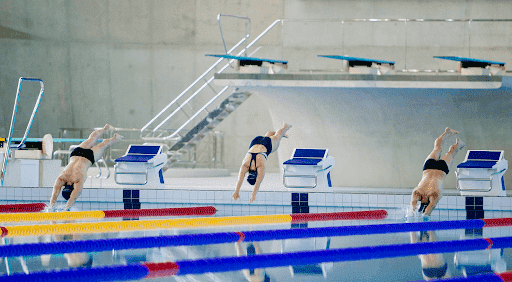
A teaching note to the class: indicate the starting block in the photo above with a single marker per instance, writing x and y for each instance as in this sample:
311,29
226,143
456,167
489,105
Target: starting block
309,168
256,65
141,165
356,65
469,66
481,173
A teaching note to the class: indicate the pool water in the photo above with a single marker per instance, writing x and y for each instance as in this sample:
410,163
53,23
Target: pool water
407,268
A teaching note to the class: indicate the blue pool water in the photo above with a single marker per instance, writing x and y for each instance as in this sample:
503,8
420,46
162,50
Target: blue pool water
389,269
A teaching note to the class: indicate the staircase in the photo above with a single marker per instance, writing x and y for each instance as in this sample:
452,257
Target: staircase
205,126
203,121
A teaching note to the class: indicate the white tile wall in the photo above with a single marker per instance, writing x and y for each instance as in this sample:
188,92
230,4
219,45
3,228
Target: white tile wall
455,205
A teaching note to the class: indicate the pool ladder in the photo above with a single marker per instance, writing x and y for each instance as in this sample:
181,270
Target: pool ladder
13,123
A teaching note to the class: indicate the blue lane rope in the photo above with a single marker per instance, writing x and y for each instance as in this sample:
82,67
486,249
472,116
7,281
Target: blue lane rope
225,264
35,249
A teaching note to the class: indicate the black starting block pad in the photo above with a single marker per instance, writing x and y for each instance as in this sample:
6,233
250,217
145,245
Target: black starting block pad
469,62
245,61
355,61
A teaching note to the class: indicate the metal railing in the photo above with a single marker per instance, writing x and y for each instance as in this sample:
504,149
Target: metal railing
13,121
209,154
175,134
343,32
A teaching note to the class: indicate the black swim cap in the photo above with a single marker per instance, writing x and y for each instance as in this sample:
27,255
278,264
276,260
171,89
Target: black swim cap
66,192
252,177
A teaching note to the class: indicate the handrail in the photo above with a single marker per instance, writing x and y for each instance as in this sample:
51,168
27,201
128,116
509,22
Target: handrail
399,20
210,80
29,125
184,92
247,28
180,107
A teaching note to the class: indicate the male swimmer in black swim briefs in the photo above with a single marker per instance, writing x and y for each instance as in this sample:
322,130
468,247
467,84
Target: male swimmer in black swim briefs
255,159
433,266
429,190
75,173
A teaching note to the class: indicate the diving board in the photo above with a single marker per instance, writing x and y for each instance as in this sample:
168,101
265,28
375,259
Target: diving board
357,65
470,66
256,65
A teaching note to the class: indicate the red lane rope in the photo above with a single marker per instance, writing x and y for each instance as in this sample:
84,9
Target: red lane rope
35,207
161,269
493,222
242,236
209,210
305,217
490,242
505,276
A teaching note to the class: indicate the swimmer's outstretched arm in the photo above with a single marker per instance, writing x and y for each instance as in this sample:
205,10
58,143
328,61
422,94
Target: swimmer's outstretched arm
77,190
56,191
415,197
259,178
241,175
433,199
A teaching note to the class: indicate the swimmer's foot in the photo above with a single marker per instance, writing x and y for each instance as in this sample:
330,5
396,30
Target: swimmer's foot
108,127
460,145
117,136
450,132
286,127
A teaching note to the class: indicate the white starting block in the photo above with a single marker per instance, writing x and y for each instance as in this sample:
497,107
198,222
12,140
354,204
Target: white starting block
309,168
141,165
481,173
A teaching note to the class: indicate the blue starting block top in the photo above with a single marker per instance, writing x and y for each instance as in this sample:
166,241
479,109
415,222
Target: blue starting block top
307,157
140,153
484,155
477,164
135,158
481,159
469,60
248,59
356,59
302,161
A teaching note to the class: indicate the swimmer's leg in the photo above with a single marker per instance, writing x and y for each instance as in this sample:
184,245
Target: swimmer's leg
276,136
436,152
95,135
99,149
454,149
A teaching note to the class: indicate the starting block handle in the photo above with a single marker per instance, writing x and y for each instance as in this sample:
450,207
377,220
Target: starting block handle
477,179
303,176
134,173
99,168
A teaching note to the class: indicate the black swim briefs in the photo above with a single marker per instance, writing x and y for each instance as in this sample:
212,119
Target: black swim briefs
84,153
436,164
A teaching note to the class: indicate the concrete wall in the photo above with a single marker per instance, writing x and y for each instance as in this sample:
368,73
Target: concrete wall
121,61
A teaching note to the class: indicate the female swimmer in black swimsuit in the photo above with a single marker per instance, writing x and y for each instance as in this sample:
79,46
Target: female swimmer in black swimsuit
255,159
430,188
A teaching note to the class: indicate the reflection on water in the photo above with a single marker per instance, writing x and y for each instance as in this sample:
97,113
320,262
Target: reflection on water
409,268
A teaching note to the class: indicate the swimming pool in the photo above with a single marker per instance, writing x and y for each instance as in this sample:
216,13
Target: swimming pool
407,268
365,268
